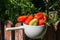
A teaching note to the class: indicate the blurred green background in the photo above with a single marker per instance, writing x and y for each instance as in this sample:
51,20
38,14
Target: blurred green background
11,9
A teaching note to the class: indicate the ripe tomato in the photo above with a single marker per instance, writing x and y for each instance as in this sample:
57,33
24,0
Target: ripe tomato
21,18
39,15
28,19
45,18
40,22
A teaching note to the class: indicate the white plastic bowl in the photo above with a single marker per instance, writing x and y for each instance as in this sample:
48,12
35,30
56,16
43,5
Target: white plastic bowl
34,31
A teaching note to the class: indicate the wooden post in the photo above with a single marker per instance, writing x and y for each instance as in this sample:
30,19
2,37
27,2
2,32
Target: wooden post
7,34
19,33
57,30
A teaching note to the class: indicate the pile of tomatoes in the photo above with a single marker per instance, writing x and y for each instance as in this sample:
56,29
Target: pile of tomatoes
42,19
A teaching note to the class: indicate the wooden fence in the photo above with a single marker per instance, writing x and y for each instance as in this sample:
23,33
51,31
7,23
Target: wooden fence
19,34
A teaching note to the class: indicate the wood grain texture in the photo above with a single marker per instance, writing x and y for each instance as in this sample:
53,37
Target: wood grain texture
7,34
19,33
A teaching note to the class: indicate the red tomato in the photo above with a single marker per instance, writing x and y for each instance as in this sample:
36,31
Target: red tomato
39,15
28,19
21,18
45,18
40,22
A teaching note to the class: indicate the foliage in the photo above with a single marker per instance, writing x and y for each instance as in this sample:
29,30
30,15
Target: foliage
14,8
54,4
11,9
53,18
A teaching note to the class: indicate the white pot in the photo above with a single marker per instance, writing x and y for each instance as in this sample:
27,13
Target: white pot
31,31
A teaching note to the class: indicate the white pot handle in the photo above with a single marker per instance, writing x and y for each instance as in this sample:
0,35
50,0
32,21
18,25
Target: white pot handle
15,28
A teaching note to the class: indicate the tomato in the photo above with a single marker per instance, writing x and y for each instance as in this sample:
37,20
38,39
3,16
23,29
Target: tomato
28,19
21,18
40,22
45,18
39,15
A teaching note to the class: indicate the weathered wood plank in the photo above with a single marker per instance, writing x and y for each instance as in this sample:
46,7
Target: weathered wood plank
58,30
7,34
19,33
